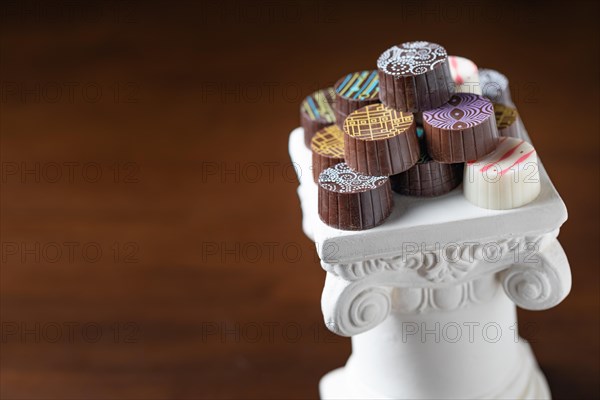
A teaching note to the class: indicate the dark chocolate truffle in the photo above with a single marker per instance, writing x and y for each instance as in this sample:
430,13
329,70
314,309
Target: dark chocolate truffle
327,149
461,130
506,120
316,112
350,200
355,91
415,77
379,140
427,178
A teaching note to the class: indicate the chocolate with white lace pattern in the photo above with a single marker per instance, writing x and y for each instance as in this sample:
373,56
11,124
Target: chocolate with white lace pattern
349,200
414,76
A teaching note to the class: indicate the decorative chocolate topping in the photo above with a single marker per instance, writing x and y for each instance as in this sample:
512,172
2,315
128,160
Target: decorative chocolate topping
342,179
327,149
362,85
411,58
376,122
351,200
329,142
355,91
379,140
462,129
505,116
319,105
415,77
463,110
316,112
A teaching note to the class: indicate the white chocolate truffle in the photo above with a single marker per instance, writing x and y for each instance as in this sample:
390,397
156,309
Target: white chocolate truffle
465,75
506,178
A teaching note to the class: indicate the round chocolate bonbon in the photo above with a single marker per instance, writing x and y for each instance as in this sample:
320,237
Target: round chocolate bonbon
350,200
428,178
504,179
465,75
461,130
354,91
494,86
414,76
316,112
506,120
379,140
327,149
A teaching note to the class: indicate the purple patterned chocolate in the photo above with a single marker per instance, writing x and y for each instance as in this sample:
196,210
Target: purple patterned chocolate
342,179
463,111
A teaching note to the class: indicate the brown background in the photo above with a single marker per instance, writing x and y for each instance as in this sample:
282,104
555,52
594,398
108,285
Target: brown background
164,92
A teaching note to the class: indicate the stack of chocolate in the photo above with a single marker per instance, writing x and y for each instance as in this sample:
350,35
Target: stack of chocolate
410,126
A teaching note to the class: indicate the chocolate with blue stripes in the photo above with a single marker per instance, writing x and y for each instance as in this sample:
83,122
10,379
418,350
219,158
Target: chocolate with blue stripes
316,112
353,91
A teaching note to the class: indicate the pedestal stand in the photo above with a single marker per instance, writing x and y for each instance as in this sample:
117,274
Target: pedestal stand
429,297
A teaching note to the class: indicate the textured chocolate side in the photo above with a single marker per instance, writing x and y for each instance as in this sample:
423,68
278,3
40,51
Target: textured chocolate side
506,120
327,149
354,91
463,129
349,200
317,112
428,179
494,86
414,77
379,140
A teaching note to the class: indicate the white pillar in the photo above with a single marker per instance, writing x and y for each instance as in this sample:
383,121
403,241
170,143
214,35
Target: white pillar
431,311
457,342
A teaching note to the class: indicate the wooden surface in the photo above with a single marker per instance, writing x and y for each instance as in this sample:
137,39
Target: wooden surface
189,91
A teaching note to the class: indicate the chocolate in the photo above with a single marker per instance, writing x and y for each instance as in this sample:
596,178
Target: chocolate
428,178
350,200
316,112
327,149
506,120
461,130
494,86
414,77
379,140
464,74
355,91
504,179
